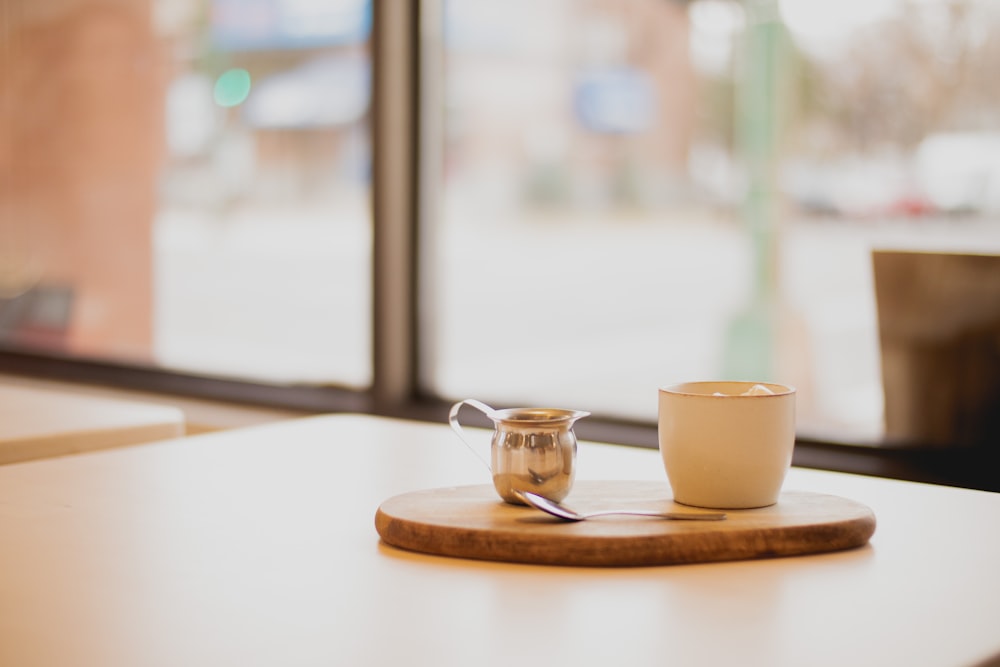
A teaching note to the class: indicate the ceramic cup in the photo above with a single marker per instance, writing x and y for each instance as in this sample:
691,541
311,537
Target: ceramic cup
726,445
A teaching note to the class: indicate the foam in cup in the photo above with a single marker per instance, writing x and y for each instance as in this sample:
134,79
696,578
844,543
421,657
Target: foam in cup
756,390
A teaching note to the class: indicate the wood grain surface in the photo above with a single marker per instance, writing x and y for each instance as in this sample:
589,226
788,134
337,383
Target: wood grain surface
472,522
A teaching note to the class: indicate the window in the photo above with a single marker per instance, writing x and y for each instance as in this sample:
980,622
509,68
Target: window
187,185
645,192
614,194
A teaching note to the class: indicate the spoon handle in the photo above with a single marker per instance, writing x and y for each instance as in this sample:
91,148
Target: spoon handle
679,516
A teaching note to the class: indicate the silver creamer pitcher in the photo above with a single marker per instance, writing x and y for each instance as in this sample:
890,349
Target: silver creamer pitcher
532,449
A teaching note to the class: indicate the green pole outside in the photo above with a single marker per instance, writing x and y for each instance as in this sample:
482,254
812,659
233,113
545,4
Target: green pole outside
762,58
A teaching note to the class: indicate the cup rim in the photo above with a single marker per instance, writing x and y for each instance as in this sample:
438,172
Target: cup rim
538,416
691,388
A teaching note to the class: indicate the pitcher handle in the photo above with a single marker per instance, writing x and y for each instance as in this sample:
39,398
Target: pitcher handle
453,420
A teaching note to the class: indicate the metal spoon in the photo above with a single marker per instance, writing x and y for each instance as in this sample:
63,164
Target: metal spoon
563,512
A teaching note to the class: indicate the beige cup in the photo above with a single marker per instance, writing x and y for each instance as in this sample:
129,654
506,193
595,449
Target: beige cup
723,447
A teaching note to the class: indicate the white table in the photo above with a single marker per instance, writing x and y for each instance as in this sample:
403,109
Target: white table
41,423
258,547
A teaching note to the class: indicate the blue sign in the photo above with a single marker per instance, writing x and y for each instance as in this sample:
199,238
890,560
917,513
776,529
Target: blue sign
265,25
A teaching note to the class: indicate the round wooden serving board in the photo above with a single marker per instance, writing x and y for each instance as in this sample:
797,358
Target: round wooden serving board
472,522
